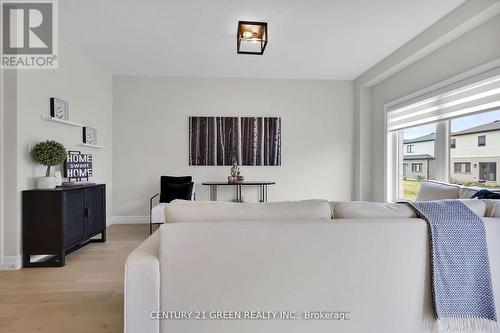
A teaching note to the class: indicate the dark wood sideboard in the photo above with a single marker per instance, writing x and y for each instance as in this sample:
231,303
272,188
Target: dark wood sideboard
59,221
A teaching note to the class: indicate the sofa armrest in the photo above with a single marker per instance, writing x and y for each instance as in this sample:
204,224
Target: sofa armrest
142,287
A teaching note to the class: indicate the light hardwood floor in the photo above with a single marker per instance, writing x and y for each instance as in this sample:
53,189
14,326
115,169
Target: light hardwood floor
86,295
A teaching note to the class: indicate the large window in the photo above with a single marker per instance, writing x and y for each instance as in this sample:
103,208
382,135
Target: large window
487,171
467,157
450,134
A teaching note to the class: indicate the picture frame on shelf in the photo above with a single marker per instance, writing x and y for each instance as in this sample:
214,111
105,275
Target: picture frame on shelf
59,109
89,135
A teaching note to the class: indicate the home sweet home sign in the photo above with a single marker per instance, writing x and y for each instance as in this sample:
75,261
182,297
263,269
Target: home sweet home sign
78,165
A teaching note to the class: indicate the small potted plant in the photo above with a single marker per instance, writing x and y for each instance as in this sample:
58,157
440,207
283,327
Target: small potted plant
48,153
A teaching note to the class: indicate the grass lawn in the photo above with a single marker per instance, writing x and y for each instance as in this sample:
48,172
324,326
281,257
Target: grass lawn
410,189
486,186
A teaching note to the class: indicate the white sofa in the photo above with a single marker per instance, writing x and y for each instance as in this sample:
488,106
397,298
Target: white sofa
368,259
436,190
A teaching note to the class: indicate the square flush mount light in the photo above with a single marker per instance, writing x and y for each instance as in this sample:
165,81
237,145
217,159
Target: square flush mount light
252,37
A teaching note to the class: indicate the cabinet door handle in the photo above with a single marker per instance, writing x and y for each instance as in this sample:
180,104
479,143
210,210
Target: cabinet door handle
87,212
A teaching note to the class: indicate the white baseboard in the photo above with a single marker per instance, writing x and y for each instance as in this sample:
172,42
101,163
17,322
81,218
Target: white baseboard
128,220
11,263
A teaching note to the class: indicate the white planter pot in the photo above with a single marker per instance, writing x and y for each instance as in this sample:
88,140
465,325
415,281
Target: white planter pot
45,183
58,177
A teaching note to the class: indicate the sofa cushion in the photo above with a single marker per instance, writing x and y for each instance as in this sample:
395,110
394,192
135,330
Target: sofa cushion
466,192
432,190
374,210
165,180
171,191
197,211
492,208
366,210
477,206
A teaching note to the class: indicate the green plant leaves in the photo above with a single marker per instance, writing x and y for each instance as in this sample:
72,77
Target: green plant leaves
49,153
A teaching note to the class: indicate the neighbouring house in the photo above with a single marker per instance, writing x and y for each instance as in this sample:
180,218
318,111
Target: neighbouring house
418,157
475,154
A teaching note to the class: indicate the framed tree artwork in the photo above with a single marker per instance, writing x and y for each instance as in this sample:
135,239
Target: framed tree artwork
249,140
59,109
89,135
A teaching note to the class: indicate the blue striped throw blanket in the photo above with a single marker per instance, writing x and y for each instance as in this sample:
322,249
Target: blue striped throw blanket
462,292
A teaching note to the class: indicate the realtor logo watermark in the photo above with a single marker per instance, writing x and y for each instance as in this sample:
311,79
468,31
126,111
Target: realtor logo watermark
29,34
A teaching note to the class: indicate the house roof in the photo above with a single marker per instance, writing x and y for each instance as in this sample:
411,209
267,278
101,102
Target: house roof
428,137
493,126
418,157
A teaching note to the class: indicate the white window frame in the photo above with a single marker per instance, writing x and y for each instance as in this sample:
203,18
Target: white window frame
463,167
394,158
410,148
393,141
418,167
496,175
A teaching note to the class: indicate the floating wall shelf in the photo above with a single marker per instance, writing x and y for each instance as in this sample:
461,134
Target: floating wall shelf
89,145
61,121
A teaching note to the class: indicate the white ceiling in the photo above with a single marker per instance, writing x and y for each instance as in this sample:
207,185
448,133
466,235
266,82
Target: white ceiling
315,39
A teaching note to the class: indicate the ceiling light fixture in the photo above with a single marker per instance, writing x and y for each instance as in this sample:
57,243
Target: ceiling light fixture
252,37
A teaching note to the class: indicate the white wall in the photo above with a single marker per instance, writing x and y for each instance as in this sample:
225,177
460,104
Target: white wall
419,148
2,164
467,145
468,16
472,49
9,228
88,89
150,135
